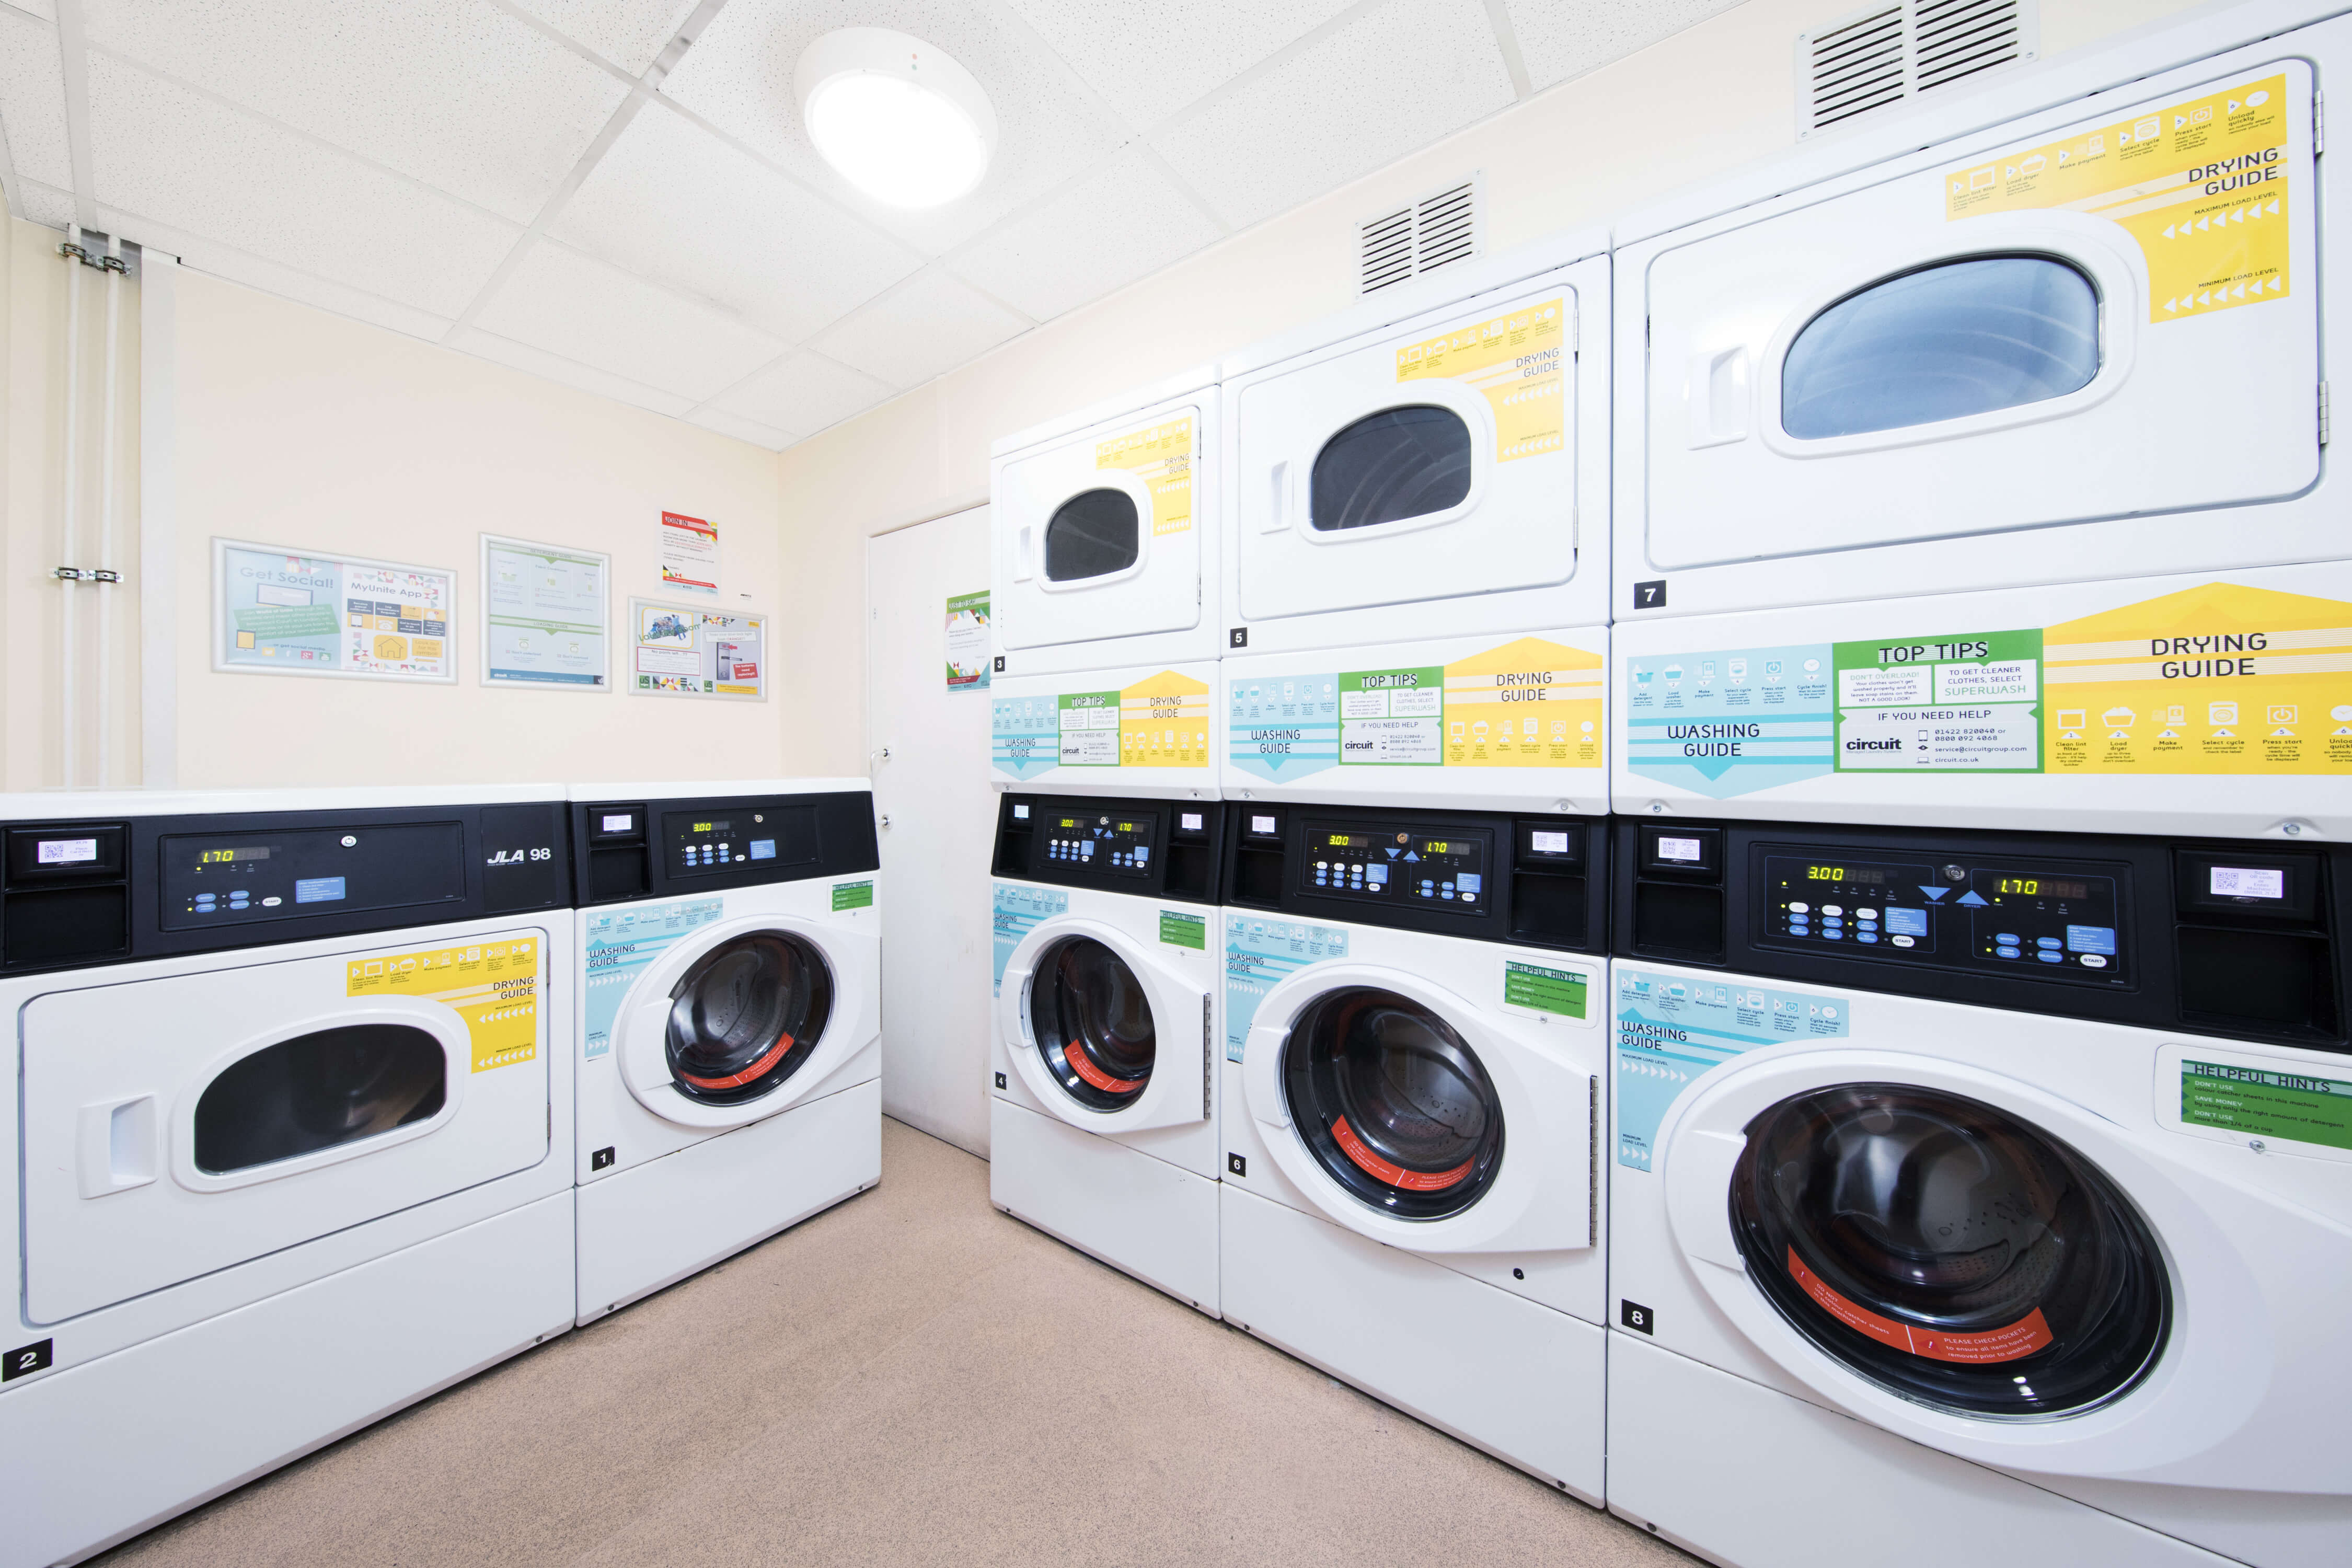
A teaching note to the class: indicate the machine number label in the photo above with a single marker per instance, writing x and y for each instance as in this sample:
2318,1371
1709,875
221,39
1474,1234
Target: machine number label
26,1359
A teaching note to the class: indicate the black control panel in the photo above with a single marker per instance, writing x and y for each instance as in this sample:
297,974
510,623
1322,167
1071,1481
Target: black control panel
1153,848
2247,939
1490,875
78,893
650,848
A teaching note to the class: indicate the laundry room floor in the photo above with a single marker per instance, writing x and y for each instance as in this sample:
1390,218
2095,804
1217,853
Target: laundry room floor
910,1378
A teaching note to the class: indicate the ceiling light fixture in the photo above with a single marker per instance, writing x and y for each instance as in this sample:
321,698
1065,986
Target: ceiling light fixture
894,116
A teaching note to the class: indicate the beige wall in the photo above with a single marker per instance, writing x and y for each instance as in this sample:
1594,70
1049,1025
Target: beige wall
1691,108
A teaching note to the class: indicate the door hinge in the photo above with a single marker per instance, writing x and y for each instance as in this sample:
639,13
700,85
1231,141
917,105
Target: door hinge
1593,1162
1208,1060
2318,123
2322,413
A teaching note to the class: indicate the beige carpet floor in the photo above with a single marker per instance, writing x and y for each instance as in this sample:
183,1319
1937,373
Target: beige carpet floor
910,1378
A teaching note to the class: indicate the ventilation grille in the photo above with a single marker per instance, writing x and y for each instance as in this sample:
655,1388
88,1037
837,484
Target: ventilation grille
1876,58
1438,230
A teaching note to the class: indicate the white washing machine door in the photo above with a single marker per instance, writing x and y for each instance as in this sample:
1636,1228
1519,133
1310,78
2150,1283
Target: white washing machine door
741,1020
1980,1266
1107,1038
1409,1116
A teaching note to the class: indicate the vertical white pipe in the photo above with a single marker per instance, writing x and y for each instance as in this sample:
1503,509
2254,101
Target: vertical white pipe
107,590
69,698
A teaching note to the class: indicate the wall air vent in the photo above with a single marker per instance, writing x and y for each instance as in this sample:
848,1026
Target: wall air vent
1885,54
1436,231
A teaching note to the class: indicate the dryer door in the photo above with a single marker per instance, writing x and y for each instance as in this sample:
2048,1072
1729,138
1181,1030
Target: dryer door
183,1124
1096,535
1107,1038
1429,461
745,1018
1409,1116
1997,346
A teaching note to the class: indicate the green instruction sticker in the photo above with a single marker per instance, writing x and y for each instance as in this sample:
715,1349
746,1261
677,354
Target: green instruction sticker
2267,1104
852,896
1184,930
1970,702
1559,991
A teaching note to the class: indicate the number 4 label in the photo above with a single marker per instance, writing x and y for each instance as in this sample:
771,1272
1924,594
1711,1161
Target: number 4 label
35,1357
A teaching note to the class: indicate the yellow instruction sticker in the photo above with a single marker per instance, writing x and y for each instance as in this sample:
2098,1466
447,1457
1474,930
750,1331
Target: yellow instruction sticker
1163,722
1161,456
2200,185
2215,679
1517,359
1527,704
492,985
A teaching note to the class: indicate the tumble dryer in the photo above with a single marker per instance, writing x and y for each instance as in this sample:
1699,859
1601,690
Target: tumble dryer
1985,1176
1416,560
287,1142
2067,327
1413,1192
1103,1112
1104,526
730,1006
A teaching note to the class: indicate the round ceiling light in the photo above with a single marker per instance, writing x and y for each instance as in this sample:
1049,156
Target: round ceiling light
894,116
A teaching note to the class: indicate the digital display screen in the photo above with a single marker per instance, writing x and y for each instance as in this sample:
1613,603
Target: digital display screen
1689,849
1020,813
1544,843
2040,887
1262,824
621,823
2248,882
1351,840
1854,875
1192,820
65,851
230,857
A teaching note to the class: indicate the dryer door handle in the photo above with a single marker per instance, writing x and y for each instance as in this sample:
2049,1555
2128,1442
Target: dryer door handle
115,1145
1025,553
1278,503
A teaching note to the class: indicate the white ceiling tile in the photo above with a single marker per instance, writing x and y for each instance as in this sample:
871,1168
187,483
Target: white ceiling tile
738,76
182,160
743,429
44,9
926,327
804,394
271,277
1386,84
44,204
33,100
558,300
1108,228
455,93
629,33
570,373
670,201
1557,42
1151,57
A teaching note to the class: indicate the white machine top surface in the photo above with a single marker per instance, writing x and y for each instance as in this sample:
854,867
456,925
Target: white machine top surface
675,789
1200,378
50,805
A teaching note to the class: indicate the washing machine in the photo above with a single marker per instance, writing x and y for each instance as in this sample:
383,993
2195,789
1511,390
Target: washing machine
1104,527
287,1145
730,1011
1103,1107
1134,730
1980,1187
2218,704
1958,349
1414,1195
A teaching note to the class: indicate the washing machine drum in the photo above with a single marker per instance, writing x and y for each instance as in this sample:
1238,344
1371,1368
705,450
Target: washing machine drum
1393,1103
746,1016
1948,1251
1093,1024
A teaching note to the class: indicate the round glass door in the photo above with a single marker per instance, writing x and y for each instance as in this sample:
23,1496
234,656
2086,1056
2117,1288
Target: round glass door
1392,1103
1092,1022
1950,1252
746,1016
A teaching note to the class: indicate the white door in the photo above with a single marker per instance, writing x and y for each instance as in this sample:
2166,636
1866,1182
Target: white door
2116,318
1433,460
1099,534
931,793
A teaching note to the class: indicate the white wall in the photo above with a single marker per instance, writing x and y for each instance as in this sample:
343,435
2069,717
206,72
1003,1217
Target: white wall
1690,108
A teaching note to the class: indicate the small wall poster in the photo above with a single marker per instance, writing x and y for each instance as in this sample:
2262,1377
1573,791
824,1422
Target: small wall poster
968,642
280,612
679,650
689,554
544,615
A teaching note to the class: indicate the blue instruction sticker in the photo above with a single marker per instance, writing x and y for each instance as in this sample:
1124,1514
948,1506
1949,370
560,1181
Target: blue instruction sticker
1024,734
619,946
1732,720
1260,954
1672,1028
1019,909
316,890
1283,726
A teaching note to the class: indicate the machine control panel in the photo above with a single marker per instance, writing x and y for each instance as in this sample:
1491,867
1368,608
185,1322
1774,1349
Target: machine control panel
1119,843
696,843
2062,921
210,880
1391,867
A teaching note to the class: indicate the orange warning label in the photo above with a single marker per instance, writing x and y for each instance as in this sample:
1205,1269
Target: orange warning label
1077,1057
2014,1342
1395,1175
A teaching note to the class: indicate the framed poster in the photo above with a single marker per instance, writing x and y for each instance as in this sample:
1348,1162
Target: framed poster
968,642
545,620
680,650
689,554
282,611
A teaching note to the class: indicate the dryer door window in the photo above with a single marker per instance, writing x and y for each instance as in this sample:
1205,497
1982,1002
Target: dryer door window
746,1016
1393,1103
1388,466
317,1090
1093,1024
1942,342
1950,1252
1091,535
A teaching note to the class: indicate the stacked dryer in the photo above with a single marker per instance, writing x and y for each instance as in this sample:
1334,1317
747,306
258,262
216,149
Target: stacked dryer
1995,1170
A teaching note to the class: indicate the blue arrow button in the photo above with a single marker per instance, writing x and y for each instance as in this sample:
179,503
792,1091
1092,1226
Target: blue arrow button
1935,893
1971,898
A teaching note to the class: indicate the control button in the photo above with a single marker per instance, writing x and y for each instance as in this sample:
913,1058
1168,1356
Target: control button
1834,936
272,901
1800,908
1448,887
2050,942
1868,936
1833,923
1469,898
1900,940
1322,865
1832,909
2007,953
1865,914
2006,939
2051,957
2093,960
